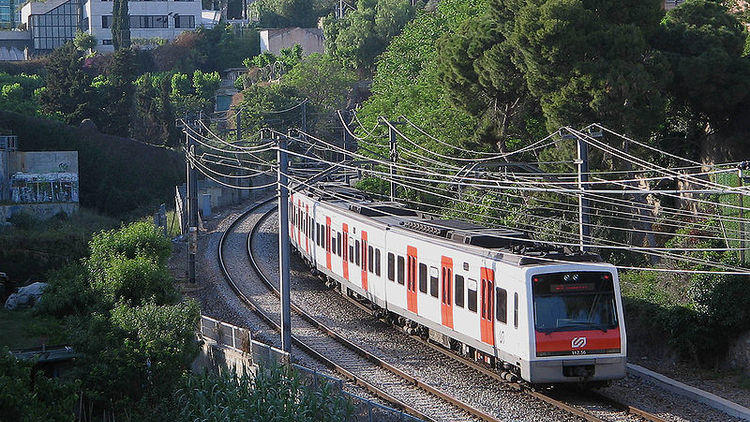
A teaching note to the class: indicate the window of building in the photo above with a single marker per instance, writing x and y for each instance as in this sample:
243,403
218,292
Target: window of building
184,21
434,281
401,265
106,42
459,296
106,21
56,27
471,294
423,278
152,21
501,305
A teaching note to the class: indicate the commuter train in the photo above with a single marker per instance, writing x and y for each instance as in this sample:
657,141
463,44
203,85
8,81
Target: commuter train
541,314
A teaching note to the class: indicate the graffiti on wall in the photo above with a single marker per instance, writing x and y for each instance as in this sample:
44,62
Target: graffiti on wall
44,187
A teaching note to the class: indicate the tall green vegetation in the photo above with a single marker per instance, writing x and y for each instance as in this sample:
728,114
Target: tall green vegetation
120,24
68,87
358,38
134,335
407,81
288,13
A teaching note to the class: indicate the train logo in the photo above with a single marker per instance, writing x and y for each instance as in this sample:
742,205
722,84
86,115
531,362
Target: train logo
578,342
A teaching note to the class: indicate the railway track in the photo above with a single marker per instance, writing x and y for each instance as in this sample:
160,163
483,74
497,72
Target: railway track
403,390
351,362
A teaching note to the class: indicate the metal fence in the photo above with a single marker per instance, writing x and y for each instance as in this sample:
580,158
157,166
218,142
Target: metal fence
240,339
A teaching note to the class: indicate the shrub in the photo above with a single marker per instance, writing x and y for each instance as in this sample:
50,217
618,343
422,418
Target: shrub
26,395
134,281
68,292
139,239
275,394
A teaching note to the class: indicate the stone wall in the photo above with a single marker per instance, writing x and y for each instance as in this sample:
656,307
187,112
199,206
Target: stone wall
41,211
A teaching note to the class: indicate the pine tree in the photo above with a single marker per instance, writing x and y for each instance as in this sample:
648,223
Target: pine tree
68,87
120,24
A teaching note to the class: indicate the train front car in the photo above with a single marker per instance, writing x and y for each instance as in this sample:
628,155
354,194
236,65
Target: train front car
578,333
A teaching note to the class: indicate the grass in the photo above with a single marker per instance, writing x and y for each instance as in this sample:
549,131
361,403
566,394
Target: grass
173,225
23,329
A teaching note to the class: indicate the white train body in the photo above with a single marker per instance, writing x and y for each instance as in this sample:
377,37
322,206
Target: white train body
546,320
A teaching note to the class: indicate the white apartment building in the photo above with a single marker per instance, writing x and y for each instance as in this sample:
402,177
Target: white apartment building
165,19
54,22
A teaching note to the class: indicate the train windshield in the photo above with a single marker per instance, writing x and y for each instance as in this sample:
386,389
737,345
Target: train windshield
574,302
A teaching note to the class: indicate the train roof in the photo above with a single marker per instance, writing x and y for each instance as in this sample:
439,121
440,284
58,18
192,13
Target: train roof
513,245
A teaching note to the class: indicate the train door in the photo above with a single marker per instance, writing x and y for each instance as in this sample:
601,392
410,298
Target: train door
486,312
307,228
328,242
364,260
446,291
345,251
411,279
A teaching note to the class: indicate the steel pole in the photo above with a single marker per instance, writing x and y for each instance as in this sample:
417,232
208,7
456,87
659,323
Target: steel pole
584,216
742,223
192,211
286,319
394,159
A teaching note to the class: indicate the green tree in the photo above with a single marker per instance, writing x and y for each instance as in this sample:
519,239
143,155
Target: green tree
589,61
120,24
84,41
287,13
476,66
134,281
322,80
358,38
68,87
120,96
710,82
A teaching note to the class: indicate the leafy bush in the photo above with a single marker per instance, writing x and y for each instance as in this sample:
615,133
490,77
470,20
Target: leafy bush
699,316
68,292
275,394
134,281
32,247
140,239
28,396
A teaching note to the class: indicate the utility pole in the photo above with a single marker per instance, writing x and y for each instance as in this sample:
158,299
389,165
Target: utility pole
192,207
304,116
584,216
286,319
344,143
394,158
742,166
341,9
238,117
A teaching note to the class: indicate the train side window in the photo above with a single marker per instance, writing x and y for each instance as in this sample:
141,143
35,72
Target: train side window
333,242
459,296
434,281
377,262
423,278
317,234
370,259
338,243
351,250
501,305
391,267
515,310
400,270
356,252
471,295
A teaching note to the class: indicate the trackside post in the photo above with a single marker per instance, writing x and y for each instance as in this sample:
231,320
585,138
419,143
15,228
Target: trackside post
283,181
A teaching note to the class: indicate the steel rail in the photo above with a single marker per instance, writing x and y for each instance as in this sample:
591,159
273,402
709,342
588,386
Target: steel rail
357,349
267,318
